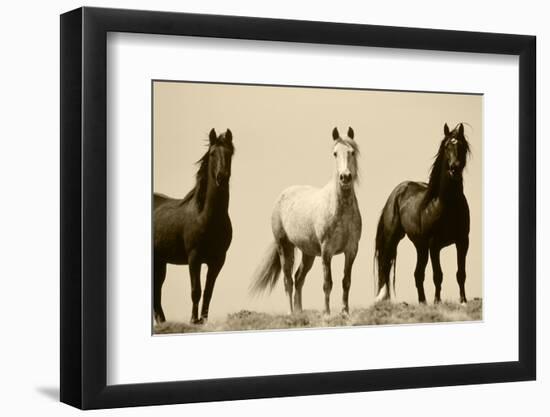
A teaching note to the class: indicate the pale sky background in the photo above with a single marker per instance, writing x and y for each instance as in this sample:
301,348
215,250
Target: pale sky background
282,137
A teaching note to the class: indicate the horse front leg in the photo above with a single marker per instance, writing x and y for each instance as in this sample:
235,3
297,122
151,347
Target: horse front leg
421,261
214,269
461,251
346,281
437,272
195,275
327,284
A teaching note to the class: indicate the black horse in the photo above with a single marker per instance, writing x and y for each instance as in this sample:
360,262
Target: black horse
433,216
196,230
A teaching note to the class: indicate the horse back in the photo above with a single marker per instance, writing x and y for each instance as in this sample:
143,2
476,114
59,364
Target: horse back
160,199
168,230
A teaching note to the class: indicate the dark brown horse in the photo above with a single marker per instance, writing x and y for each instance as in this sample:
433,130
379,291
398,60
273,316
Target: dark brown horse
433,216
196,230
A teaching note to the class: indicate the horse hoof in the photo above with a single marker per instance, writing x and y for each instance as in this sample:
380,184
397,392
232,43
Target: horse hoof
383,295
345,313
197,321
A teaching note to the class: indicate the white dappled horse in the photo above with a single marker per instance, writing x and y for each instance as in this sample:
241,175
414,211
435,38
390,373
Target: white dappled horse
319,222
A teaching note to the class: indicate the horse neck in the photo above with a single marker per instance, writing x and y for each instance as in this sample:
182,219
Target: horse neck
216,200
341,199
449,191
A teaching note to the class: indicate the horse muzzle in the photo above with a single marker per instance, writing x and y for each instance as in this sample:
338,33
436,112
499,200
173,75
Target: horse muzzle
346,180
222,179
455,173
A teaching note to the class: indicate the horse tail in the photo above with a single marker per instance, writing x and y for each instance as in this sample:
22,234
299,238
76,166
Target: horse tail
267,273
385,254
379,255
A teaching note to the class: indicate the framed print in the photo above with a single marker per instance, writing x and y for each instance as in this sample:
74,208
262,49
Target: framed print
257,207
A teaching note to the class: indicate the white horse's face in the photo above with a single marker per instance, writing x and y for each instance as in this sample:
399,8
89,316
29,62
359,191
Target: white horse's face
346,162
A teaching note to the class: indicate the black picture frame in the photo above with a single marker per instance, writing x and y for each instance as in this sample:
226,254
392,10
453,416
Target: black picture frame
84,207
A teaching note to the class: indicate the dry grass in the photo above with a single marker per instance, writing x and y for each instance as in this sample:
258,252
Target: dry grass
380,313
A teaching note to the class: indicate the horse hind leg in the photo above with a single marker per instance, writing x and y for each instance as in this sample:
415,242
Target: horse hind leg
159,275
384,270
286,254
299,279
387,254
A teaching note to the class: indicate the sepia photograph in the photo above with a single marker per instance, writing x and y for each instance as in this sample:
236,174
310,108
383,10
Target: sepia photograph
283,207
296,203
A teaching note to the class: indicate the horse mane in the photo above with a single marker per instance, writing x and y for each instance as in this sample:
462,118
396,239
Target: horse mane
437,166
201,181
350,142
201,177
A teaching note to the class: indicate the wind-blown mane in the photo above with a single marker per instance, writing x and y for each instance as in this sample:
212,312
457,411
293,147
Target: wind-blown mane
435,171
201,177
350,142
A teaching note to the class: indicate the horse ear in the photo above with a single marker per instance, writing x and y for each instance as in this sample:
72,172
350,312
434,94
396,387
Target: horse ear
335,134
228,135
351,134
446,130
461,130
212,136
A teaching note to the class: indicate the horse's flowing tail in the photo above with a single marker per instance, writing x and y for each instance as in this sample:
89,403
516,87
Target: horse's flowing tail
385,252
268,272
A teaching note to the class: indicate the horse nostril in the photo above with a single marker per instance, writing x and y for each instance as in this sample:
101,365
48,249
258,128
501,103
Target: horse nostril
345,178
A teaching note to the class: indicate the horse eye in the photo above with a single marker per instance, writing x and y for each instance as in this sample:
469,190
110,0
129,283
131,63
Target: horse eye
352,153
334,153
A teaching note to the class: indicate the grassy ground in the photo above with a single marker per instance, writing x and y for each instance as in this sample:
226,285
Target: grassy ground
380,313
